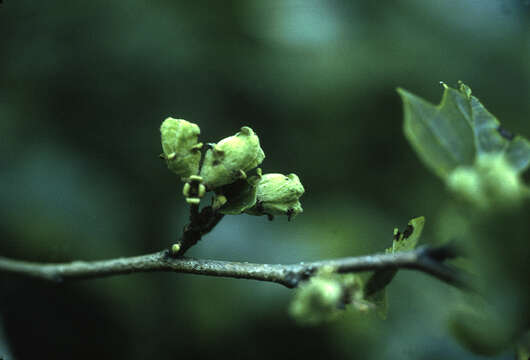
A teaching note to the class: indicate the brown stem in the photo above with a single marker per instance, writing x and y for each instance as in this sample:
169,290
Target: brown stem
289,275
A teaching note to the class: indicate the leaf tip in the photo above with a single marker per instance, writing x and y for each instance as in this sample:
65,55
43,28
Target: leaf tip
464,89
403,93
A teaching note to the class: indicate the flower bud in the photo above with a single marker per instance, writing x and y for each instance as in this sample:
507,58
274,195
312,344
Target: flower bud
466,183
324,295
317,300
278,194
180,146
229,159
500,179
490,183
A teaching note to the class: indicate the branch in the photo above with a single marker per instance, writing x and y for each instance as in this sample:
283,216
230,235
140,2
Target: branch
426,259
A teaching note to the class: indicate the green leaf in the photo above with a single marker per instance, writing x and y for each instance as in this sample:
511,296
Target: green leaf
458,131
375,288
408,239
518,154
486,137
439,134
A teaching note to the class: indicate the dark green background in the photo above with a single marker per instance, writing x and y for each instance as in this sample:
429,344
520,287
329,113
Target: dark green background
84,86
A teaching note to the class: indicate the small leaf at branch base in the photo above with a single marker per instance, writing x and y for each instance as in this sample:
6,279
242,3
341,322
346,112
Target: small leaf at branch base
375,288
408,239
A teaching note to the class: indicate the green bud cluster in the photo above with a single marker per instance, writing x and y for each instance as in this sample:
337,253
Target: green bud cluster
324,295
229,170
490,183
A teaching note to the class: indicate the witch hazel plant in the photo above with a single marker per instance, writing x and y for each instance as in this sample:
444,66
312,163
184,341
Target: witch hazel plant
478,165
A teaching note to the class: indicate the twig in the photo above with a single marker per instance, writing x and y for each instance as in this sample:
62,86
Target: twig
290,275
200,224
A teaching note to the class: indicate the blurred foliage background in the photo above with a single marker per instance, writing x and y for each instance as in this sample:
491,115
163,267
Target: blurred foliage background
84,86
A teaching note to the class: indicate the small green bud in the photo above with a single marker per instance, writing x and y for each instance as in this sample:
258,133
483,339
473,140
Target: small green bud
324,295
490,182
317,300
180,146
175,248
501,181
466,183
229,159
278,194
